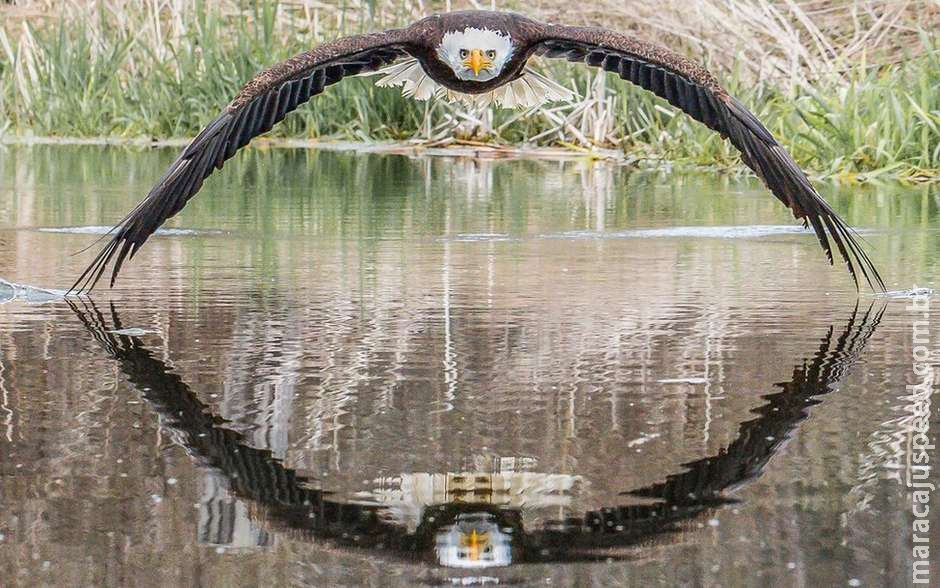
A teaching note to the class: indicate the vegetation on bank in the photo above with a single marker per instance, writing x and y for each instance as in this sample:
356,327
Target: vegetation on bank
853,89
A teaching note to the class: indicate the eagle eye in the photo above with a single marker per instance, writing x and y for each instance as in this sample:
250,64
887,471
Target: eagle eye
464,53
491,54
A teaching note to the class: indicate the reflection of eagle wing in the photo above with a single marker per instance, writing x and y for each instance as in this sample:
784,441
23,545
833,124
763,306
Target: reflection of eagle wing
256,475
288,501
704,482
689,87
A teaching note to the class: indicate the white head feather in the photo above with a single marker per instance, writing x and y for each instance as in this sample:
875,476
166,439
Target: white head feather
456,45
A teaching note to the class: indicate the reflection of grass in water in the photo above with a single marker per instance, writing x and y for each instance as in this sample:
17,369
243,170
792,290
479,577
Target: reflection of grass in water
60,80
348,196
287,208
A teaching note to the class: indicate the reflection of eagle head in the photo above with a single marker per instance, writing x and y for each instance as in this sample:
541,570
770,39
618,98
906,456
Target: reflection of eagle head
474,540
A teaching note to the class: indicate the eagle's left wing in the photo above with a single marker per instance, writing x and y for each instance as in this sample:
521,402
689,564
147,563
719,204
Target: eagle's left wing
689,87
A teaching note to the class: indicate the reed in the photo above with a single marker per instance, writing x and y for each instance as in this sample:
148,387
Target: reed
852,88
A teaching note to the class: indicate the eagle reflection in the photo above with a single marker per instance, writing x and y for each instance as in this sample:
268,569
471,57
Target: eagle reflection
469,528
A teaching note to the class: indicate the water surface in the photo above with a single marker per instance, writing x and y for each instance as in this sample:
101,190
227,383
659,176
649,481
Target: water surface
336,369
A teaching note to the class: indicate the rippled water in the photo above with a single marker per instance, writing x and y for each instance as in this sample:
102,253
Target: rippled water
339,369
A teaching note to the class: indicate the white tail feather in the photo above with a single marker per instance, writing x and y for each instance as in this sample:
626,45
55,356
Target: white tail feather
527,91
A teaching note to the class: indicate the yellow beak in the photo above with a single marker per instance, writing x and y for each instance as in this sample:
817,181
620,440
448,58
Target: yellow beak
476,543
477,62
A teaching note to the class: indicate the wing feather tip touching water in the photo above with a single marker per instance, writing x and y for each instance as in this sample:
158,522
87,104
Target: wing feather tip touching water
783,177
688,86
263,102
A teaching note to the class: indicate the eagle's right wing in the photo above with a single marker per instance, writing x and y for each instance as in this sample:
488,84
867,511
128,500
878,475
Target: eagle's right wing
262,103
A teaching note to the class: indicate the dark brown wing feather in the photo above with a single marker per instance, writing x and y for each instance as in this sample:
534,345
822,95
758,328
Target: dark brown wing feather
689,87
262,103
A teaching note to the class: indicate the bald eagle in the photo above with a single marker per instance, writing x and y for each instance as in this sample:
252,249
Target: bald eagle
478,55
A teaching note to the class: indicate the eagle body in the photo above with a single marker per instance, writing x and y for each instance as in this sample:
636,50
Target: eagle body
480,56
519,29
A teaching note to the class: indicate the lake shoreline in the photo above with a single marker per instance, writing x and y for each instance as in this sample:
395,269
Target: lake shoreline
447,148
464,149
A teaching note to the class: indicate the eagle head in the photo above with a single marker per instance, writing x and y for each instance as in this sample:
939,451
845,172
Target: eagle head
475,54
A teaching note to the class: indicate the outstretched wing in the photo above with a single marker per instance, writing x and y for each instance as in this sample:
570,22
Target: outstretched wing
262,103
689,87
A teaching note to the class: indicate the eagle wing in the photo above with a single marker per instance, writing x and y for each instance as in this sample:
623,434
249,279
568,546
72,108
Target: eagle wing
689,87
263,102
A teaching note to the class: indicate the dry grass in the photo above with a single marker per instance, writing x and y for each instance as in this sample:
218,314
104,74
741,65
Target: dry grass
791,41
163,67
